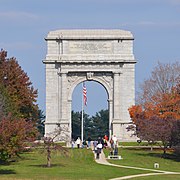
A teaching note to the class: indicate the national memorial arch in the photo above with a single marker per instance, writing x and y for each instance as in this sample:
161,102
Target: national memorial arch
104,56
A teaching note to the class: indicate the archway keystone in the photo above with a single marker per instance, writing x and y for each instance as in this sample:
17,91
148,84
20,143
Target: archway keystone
104,56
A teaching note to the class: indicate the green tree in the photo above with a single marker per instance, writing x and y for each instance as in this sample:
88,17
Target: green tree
94,126
100,125
40,123
6,104
76,125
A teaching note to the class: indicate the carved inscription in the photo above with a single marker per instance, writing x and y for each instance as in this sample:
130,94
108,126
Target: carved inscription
90,47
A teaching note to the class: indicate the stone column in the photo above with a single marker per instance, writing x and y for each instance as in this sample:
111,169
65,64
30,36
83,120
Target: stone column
116,98
69,118
59,46
110,103
59,94
63,114
65,105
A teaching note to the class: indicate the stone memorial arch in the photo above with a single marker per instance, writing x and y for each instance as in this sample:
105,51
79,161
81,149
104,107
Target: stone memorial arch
104,56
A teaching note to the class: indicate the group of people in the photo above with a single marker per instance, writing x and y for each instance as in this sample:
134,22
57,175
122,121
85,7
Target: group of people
81,144
104,143
98,144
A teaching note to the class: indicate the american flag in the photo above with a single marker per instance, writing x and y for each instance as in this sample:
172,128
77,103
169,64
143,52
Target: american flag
84,94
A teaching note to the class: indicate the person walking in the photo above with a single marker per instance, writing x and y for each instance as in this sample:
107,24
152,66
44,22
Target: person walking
78,142
72,143
99,148
105,140
89,142
95,146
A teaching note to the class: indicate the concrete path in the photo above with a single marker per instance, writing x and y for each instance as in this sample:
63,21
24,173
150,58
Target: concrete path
102,160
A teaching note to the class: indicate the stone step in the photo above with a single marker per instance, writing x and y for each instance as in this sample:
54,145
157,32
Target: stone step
114,157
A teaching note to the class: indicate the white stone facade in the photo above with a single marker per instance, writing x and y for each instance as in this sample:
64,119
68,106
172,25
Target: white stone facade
104,56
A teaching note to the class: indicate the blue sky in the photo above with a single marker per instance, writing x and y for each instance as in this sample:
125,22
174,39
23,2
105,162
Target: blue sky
155,25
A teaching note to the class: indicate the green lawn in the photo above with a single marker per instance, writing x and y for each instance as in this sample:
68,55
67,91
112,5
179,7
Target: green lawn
80,164
143,143
145,158
159,177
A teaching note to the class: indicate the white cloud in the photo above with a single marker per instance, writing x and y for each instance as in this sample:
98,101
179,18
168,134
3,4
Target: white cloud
13,15
160,24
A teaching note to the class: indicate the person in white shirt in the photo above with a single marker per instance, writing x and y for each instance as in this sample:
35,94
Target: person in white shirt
114,138
78,142
99,148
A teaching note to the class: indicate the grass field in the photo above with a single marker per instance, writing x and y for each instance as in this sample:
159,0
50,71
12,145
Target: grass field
80,164
159,177
145,158
143,143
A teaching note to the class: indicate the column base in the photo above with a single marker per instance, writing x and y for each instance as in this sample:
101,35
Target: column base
59,130
119,129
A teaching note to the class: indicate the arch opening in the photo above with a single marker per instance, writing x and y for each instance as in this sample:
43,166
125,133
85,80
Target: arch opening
95,113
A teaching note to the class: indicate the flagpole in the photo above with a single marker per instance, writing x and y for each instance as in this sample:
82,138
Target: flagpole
82,123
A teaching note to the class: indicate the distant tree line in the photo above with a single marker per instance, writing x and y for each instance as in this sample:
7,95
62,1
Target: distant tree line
94,127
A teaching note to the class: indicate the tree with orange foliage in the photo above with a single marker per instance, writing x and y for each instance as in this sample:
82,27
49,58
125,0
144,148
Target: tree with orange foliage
159,105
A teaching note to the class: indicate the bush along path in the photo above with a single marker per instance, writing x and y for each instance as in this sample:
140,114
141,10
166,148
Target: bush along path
102,160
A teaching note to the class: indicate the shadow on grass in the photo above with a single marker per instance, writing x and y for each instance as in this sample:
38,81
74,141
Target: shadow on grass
7,171
7,163
4,163
45,165
156,152
172,157
17,159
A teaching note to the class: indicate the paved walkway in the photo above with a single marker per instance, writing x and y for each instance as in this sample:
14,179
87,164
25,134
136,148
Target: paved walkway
102,160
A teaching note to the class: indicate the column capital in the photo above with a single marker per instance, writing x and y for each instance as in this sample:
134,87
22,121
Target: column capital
61,72
117,73
64,74
110,100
